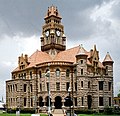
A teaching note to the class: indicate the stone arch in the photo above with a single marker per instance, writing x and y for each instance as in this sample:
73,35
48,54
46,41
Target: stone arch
58,102
41,103
68,101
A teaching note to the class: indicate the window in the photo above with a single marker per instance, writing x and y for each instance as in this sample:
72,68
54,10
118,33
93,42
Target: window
82,101
106,70
30,75
19,76
25,87
109,86
75,101
75,86
88,84
100,85
67,73
40,87
100,101
24,76
57,72
57,86
81,61
31,102
47,86
109,101
31,87
81,83
16,87
24,101
81,71
40,74
67,86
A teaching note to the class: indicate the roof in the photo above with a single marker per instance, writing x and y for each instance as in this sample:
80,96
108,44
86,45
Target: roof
107,58
68,55
52,11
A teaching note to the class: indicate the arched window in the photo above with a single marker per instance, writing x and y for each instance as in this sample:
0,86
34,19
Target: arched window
67,73
57,72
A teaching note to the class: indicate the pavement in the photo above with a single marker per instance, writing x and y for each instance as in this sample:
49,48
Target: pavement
58,114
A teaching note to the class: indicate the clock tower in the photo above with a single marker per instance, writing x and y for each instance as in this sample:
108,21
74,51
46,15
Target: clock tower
53,39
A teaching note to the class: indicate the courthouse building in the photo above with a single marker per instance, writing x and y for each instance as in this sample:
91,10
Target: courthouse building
90,80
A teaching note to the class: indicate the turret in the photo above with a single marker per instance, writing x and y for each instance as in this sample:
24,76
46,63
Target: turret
81,60
108,63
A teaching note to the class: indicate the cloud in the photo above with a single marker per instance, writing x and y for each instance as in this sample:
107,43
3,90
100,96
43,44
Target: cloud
10,49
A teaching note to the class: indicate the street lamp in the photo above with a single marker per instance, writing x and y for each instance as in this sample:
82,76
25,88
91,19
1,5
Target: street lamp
48,75
69,91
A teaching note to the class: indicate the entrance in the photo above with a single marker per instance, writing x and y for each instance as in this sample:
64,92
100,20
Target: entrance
47,101
58,103
89,99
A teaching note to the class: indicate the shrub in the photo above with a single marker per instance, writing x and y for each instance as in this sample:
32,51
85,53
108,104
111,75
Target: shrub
108,110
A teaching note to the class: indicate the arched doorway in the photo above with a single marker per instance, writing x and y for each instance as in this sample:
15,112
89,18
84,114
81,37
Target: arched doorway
58,103
68,101
47,101
89,99
41,101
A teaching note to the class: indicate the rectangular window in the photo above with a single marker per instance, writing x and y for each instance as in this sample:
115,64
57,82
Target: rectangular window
100,85
24,75
67,86
24,101
57,86
16,87
19,76
40,74
47,86
31,87
25,87
81,71
109,86
31,102
81,83
30,75
100,101
109,101
88,84
82,101
40,87
75,101
75,86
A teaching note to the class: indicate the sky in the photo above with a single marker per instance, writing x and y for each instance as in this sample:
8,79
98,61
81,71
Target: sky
86,22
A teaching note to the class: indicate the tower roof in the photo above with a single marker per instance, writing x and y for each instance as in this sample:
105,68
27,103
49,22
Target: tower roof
107,58
81,51
52,11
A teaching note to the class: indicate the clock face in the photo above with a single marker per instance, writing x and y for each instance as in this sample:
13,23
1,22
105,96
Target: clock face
58,33
47,33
